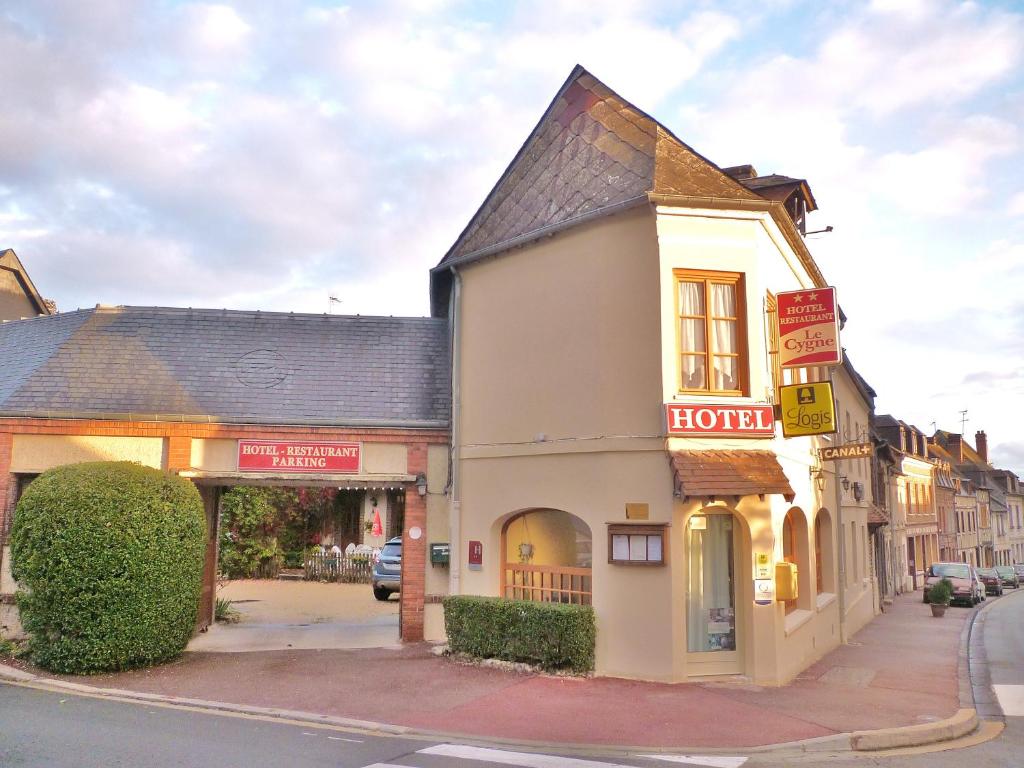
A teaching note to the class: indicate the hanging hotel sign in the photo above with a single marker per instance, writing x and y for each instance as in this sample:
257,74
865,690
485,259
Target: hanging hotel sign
296,456
808,409
808,328
698,420
848,451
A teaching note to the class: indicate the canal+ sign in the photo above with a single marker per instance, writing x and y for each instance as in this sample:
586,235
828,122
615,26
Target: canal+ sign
697,420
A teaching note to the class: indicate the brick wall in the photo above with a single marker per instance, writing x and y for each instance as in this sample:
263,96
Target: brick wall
414,551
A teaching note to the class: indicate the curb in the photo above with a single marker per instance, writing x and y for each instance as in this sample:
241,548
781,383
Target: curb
965,721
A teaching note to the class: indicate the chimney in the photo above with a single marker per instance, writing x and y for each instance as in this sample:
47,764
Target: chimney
740,172
982,443
956,447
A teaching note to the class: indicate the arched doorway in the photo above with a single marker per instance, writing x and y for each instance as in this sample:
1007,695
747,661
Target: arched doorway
546,555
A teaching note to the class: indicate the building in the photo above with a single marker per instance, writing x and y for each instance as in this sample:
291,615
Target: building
915,518
972,465
1009,484
18,295
238,398
614,284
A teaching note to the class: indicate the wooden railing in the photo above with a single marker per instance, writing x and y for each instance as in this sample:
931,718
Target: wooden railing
546,583
348,569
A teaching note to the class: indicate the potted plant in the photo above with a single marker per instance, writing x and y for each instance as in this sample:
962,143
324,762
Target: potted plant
939,595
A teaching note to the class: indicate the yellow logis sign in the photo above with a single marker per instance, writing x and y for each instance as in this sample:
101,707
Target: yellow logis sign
808,409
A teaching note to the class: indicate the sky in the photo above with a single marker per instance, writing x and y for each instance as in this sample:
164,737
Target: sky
270,155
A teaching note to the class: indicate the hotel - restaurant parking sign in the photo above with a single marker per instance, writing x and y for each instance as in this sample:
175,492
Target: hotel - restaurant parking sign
808,328
298,456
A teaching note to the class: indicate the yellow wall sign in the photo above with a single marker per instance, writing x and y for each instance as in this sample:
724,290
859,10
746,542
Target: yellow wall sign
808,409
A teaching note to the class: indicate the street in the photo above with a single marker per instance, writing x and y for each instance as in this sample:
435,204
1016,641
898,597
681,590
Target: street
46,728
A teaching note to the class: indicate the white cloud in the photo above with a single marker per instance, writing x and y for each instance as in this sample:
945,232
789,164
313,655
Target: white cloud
1016,205
218,27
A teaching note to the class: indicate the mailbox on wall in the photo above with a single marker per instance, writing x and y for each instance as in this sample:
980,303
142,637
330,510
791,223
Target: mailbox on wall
786,581
439,554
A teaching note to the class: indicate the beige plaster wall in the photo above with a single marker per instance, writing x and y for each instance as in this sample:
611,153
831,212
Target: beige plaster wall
37,453
562,338
14,303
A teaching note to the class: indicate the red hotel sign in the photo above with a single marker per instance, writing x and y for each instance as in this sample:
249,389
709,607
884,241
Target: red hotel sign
691,420
808,328
288,456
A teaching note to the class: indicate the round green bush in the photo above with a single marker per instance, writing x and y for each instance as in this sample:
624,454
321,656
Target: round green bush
109,558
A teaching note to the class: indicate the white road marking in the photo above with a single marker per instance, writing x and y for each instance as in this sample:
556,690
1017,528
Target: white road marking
342,738
711,761
1011,699
525,759
385,765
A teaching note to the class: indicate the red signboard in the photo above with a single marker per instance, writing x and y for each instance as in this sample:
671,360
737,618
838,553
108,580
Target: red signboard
694,420
476,553
288,456
809,328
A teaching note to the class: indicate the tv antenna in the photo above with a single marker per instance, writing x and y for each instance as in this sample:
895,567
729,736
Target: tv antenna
963,421
331,301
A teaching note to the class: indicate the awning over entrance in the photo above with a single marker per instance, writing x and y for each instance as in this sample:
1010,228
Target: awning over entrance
369,482
717,474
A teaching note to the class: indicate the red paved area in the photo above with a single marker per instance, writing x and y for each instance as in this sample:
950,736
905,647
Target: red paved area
900,670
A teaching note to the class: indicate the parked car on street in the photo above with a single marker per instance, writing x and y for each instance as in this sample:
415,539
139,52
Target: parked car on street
387,571
966,587
993,584
1008,576
1019,568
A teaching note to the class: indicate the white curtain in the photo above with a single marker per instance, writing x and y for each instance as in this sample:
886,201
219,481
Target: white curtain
691,334
710,605
723,305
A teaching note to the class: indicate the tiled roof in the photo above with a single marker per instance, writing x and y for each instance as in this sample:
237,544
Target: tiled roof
591,150
728,473
227,366
876,516
9,261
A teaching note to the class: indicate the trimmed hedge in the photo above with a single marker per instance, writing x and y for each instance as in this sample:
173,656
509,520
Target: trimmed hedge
551,635
110,555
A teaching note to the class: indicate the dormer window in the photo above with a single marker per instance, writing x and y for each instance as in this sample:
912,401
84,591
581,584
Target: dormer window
710,309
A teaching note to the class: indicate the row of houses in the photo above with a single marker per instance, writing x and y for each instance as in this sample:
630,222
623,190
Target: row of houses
595,412
943,501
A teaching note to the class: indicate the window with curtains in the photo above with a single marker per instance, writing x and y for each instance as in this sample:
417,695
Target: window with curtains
712,348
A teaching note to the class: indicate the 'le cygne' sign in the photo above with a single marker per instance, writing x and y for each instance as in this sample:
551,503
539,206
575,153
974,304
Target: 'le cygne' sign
808,328
849,451
723,420
293,456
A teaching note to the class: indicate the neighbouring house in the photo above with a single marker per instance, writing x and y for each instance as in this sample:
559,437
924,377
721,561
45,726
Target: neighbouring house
615,282
915,518
1009,484
230,398
18,295
990,500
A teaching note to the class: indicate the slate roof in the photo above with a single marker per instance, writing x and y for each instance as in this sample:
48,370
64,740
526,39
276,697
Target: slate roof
145,363
590,151
701,474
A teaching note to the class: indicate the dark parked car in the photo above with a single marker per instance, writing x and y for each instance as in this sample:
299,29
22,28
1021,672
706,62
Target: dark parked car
387,571
1008,576
965,585
993,584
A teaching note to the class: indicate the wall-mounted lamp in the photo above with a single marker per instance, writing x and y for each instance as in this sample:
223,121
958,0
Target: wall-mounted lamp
373,501
819,478
421,484
846,483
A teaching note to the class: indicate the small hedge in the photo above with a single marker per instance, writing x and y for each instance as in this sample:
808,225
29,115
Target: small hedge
551,635
110,557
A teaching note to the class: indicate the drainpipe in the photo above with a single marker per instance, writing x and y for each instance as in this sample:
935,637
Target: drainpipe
841,544
454,505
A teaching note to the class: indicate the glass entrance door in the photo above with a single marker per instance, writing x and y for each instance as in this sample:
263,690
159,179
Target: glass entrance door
711,593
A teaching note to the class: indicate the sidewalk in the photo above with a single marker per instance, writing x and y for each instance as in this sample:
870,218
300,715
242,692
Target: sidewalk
900,670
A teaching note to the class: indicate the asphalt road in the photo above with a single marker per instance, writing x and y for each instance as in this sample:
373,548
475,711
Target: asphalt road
62,730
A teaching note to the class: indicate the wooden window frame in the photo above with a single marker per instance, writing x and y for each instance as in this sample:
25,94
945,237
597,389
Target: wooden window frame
630,529
742,355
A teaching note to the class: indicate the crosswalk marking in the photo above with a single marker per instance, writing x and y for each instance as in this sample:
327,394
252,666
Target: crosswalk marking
711,761
525,759
535,760
1011,699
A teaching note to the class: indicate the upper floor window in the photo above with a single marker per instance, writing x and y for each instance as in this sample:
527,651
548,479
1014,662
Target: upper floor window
712,348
